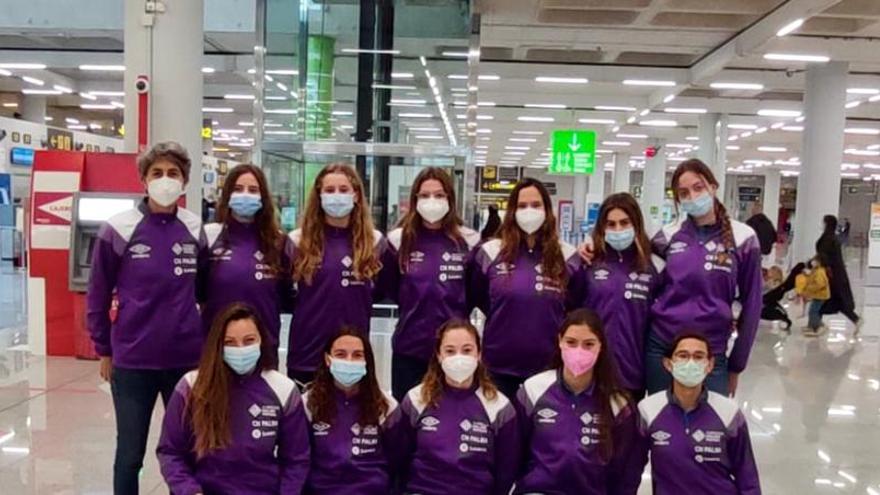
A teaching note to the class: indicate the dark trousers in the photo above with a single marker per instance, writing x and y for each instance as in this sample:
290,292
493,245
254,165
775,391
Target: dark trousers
302,378
507,384
406,373
134,395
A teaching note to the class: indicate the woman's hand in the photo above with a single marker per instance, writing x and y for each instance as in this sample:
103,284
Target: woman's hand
106,368
585,250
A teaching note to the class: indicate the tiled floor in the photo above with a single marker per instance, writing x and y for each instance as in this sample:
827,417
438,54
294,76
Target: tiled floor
813,406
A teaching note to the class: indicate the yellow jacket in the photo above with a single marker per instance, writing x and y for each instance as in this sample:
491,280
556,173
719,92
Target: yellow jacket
813,285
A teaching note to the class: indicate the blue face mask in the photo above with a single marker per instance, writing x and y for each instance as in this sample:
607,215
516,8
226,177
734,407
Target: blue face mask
337,205
245,204
699,206
242,360
347,372
620,240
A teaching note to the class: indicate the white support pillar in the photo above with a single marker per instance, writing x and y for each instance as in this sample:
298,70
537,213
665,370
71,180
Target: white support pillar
713,145
772,180
167,47
818,191
654,189
580,200
33,109
621,172
596,190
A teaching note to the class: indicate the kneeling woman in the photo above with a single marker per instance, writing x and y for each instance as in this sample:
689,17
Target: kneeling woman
235,425
578,426
459,434
351,419
698,439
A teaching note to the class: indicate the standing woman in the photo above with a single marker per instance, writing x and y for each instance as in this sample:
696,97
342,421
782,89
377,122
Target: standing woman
459,434
621,283
246,252
235,425
831,257
698,440
351,421
524,282
336,257
149,256
712,262
423,270
578,425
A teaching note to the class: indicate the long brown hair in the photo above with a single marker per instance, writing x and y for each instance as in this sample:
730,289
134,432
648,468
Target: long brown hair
271,238
372,402
435,379
311,247
626,203
699,168
547,239
412,221
605,382
208,402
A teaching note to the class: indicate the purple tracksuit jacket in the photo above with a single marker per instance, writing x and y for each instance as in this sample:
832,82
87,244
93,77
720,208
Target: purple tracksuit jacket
622,295
349,458
704,452
431,292
237,273
699,290
523,309
333,299
467,444
269,452
151,260
561,437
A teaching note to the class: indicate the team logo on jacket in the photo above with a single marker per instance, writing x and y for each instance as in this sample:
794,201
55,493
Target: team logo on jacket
416,257
677,247
139,251
547,415
587,418
601,274
184,258
699,436
255,410
259,256
321,429
346,262
661,437
539,268
633,276
430,423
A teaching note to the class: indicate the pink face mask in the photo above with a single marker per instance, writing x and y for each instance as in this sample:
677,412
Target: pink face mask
578,361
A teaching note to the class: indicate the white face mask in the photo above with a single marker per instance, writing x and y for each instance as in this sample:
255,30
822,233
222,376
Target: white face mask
530,219
432,209
459,367
165,191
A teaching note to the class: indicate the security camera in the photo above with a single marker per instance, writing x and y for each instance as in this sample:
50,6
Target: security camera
142,85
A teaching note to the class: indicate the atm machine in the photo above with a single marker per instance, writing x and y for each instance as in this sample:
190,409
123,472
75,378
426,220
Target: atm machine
89,211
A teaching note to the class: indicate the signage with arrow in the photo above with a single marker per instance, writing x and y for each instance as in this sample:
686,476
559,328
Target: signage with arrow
573,152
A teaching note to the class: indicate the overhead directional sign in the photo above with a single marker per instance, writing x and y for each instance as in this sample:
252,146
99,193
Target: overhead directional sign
574,152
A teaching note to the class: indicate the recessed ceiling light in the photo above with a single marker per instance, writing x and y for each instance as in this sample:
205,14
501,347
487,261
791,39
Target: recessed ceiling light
742,127
29,91
562,80
97,106
107,93
731,147
862,130
217,110
238,97
528,133
616,143
522,140
102,68
633,136
796,57
853,104
24,66
737,85
772,149
685,110
33,80
518,148
416,115
668,98
545,105
614,108
527,118
647,82
597,121
377,52
659,123
863,91
63,89
790,27
770,112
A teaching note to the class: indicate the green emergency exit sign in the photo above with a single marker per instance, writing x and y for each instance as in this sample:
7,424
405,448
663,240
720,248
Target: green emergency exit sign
574,152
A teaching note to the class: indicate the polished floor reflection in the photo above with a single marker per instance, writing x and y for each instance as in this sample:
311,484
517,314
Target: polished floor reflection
813,405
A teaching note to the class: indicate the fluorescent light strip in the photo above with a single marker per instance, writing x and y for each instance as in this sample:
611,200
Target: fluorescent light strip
562,80
526,118
863,91
616,143
659,123
612,108
29,91
796,57
518,148
522,140
393,87
33,80
737,85
647,82
217,110
239,97
429,136
4,72
24,66
63,89
790,27
685,110
282,111
742,127
528,133
283,72
772,149
416,115
770,112
597,121
853,104
208,70
77,127
107,93
454,54
546,105
102,68
867,131
633,136
668,98
376,52
97,106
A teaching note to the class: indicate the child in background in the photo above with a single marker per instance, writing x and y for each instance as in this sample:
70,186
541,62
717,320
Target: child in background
813,286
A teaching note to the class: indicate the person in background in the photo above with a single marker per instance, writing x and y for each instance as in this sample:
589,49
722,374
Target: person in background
621,283
698,440
764,230
712,261
845,227
336,258
249,256
813,287
493,223
352,421
578,426
831,258
459,434
524,282
235,425
149,257
423,271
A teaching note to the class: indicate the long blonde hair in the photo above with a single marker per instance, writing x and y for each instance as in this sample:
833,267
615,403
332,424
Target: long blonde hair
363,238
